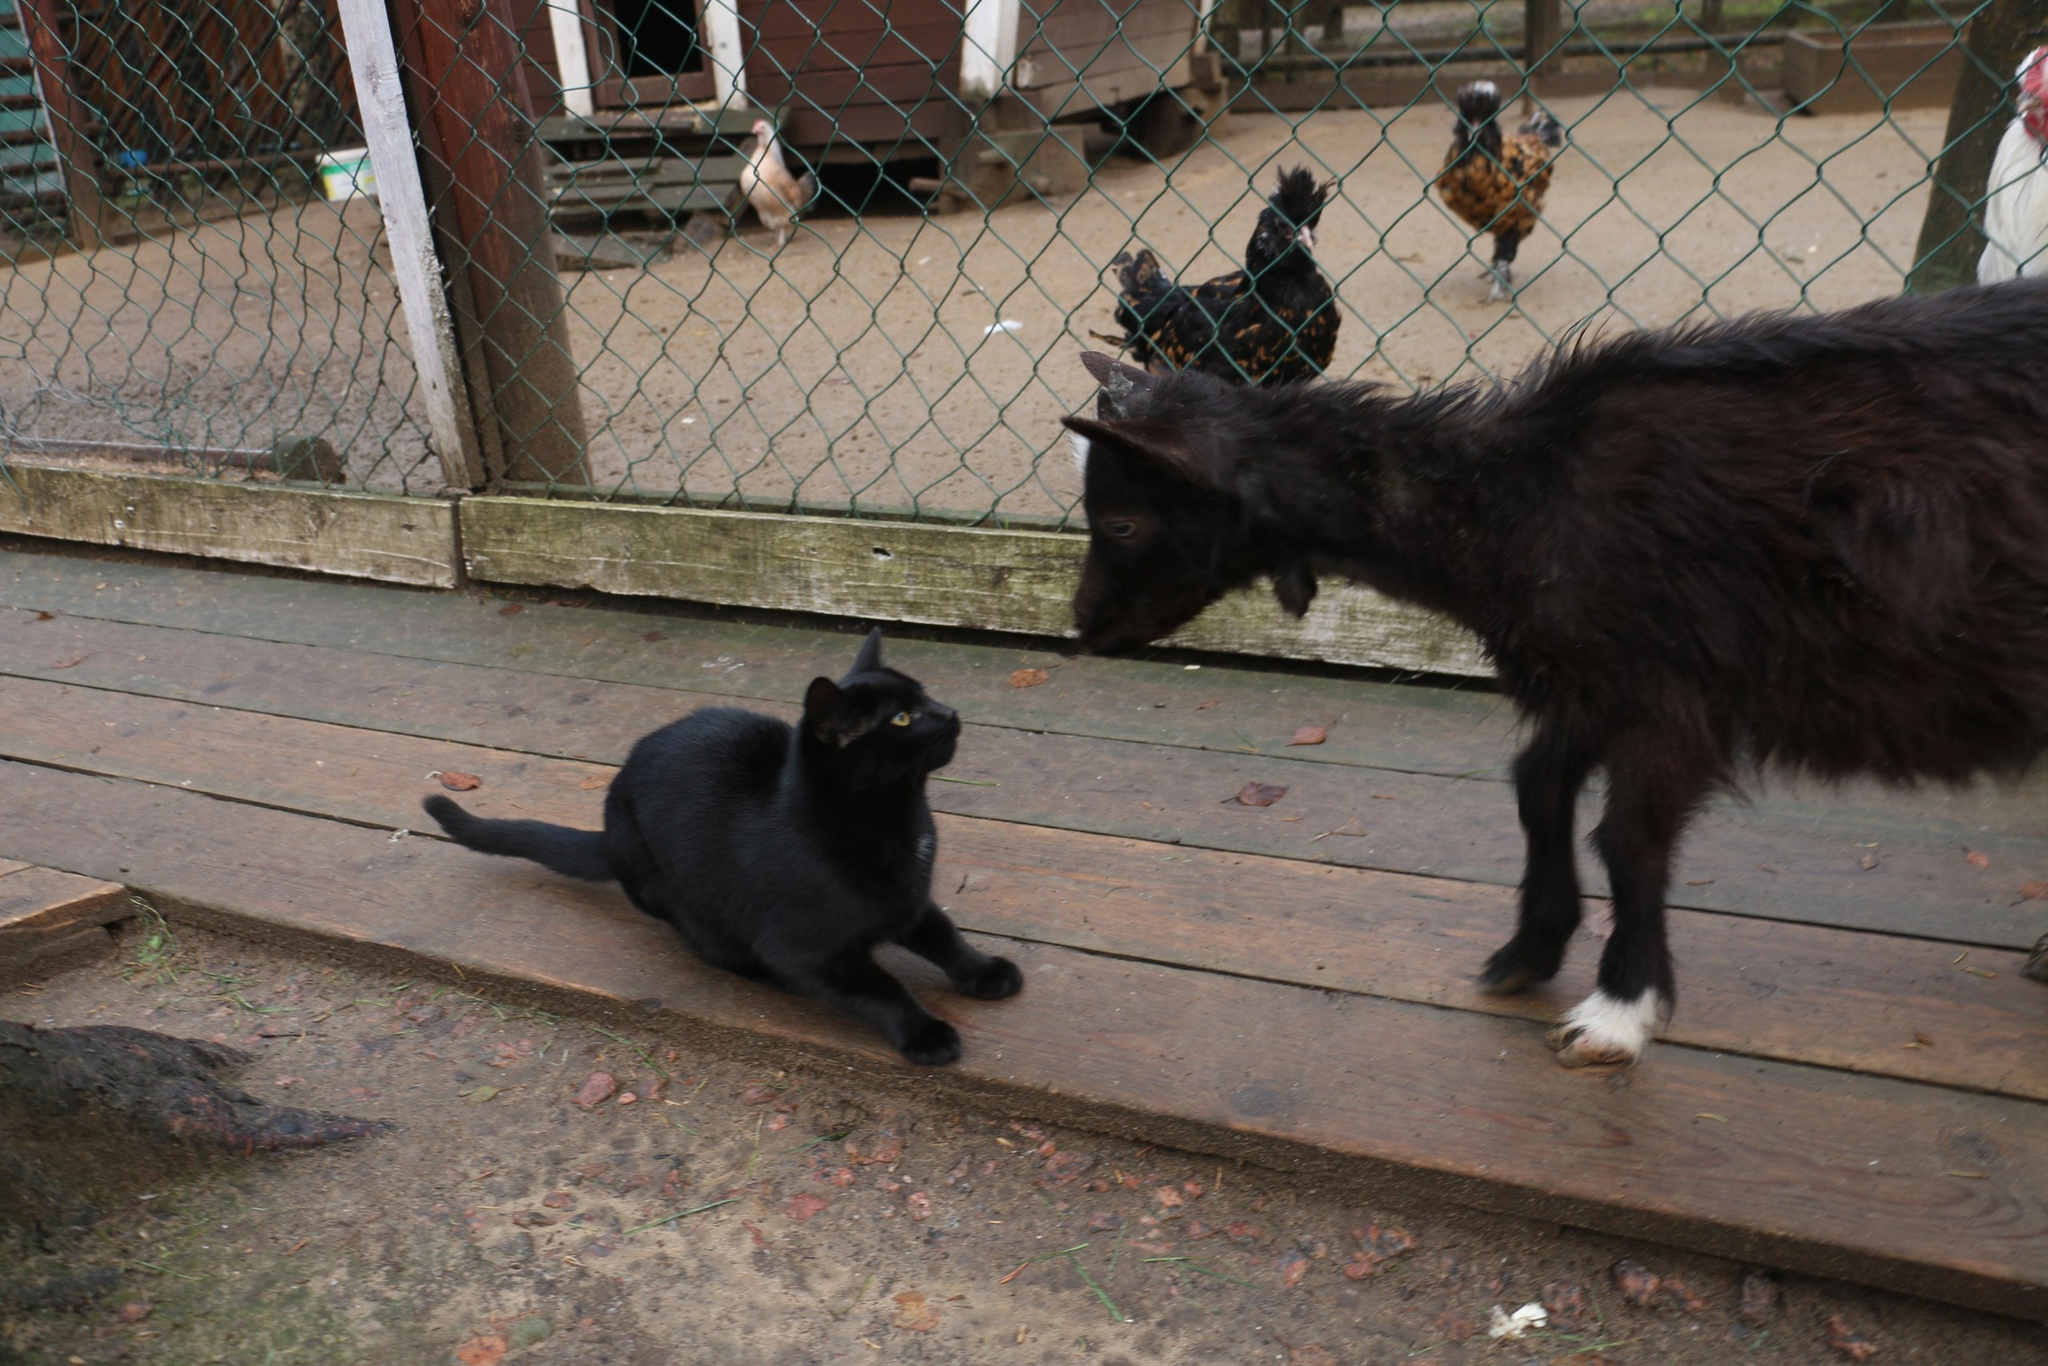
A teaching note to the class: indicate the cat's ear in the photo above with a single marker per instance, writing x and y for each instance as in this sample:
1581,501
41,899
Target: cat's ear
1120,383
870,657
827,716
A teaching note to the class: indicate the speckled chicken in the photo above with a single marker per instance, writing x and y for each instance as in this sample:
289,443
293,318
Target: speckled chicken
1497,183
1274,321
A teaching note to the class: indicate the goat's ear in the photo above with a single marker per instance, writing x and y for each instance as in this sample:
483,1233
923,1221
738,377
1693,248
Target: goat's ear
1119,379
1156,444
1295,587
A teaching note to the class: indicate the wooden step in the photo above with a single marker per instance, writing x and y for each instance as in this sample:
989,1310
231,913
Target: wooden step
1786,859
46,914
1917,1187
1750,986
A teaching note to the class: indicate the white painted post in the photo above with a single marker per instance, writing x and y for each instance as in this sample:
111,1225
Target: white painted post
988,48
380,98
728,52
572,56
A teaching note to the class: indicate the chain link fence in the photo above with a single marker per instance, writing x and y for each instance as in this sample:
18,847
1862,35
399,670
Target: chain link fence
625,324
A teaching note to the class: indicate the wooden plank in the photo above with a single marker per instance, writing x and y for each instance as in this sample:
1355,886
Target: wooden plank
46,914
1449,731
1776,862
415,266
9,867
358,535
1823,1172
1830,997
994,580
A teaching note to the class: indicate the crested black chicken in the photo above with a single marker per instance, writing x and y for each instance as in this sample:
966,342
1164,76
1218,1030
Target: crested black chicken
1497,183
1274,321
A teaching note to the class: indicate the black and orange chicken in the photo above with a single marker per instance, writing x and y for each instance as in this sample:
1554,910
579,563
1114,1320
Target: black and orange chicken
1494,182
1274,321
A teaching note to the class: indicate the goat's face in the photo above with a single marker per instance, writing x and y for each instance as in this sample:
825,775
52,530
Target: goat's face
1163,542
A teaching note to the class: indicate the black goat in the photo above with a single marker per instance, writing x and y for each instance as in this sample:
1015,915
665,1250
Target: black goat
1815,541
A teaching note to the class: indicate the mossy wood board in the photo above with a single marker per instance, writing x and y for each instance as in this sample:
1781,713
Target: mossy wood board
984,578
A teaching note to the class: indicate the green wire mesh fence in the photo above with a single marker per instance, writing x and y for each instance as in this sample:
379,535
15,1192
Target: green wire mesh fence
629,322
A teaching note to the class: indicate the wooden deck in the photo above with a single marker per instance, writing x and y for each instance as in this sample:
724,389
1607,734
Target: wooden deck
1856,1082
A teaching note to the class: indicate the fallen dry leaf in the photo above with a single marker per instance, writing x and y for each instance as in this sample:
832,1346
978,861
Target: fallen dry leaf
1977,858
1168,1198
1028,678
1566,1305
1212,702
1636,1282
510,609
1849,1343
802,1207
595,781
920,1206
2034,891
758,1093
484,1349
913,1315
1867,862
135,1311
558,1200
69,661
597,1088
1293,1267
461,782
1310,735
1258,794
1062,1168
653,636
1759,1297
46,616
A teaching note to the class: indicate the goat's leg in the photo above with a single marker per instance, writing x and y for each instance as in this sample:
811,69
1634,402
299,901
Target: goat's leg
1548,776
1651,794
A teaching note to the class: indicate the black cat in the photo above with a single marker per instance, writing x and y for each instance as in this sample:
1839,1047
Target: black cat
785,854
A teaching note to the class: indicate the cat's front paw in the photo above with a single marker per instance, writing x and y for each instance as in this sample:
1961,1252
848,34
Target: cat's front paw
931,1044
992,979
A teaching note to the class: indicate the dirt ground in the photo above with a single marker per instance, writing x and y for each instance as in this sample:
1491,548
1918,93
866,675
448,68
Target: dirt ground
864,359
707,1207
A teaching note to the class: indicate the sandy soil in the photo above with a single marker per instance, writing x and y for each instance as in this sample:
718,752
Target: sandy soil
741,1210
859,363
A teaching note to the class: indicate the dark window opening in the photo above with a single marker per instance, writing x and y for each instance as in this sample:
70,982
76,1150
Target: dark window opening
659,37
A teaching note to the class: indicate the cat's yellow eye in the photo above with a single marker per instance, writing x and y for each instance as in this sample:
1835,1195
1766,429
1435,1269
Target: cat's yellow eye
901,718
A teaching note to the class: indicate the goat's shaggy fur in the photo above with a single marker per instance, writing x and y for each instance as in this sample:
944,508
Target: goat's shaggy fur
1814,541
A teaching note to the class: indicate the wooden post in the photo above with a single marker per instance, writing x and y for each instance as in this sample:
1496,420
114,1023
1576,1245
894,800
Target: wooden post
475,119
1951,235
572,56
68,120
402,197
726,49
1542,30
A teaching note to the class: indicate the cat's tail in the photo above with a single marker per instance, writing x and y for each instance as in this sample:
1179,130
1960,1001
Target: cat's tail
572,853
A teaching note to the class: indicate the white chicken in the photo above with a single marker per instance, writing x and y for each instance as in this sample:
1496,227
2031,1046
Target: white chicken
776,195
2016,213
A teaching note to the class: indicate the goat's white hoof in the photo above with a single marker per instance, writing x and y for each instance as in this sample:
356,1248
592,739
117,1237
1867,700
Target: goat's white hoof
1601,1031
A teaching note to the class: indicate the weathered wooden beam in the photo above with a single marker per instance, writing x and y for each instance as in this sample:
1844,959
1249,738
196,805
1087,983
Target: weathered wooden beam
986,579
473,95
1951,233
402,198
359,535
67,122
